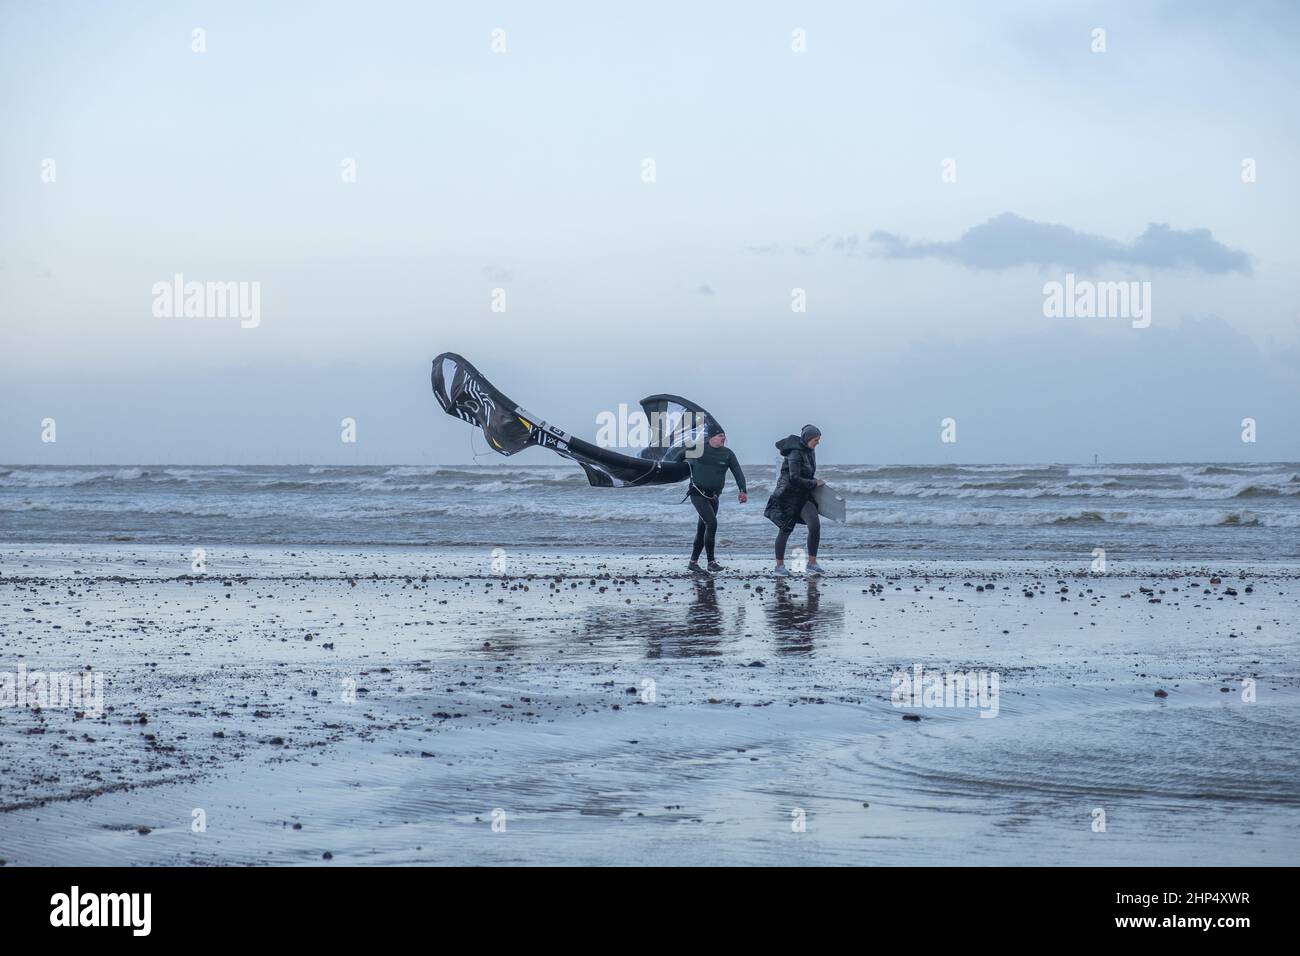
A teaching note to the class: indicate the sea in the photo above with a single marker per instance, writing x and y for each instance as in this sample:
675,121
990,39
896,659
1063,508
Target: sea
1148,512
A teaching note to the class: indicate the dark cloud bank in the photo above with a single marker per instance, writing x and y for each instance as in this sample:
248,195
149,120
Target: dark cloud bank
1008,241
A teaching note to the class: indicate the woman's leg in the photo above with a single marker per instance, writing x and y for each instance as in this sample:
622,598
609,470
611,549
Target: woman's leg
814,523
781,538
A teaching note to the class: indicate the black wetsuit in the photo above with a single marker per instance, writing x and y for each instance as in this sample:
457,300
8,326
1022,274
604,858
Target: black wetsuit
708,478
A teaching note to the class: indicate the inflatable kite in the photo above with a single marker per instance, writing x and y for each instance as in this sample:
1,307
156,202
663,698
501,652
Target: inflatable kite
676,426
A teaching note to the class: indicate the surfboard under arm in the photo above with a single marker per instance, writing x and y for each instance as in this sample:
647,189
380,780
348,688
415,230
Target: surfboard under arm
829,504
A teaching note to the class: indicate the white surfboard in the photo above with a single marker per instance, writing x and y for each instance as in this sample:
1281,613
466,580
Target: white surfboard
829,504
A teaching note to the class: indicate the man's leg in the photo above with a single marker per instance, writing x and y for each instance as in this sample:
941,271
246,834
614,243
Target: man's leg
711,533
698,546
707,517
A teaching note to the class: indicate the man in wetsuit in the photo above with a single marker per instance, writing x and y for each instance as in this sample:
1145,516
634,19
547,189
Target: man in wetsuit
708,478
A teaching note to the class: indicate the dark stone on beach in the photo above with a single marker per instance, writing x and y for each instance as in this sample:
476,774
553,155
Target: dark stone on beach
143,831
911,716
1161,693
756,664
327,855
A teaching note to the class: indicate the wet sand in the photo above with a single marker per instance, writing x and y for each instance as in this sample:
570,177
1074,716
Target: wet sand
417,706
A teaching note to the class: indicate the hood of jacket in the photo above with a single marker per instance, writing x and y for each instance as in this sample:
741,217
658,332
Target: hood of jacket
789,443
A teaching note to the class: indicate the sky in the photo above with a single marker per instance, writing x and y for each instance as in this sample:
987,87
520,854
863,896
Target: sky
655,190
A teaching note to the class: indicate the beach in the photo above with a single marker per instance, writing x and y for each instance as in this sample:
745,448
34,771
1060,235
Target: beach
362,704
600,437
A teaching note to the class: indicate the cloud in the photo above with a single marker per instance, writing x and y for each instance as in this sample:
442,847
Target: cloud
1008,241
705,289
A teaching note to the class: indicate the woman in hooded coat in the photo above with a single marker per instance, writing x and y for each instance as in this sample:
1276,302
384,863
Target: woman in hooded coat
791,501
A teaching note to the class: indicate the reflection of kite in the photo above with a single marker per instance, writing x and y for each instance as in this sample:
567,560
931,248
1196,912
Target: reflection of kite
676,425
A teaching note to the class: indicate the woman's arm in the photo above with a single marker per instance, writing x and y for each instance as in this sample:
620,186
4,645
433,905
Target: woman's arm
795,461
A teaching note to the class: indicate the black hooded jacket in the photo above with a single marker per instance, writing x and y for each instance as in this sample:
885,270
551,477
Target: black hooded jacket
795,484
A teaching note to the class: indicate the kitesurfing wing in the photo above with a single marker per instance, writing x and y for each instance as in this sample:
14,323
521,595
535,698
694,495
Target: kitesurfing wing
462,391
677,425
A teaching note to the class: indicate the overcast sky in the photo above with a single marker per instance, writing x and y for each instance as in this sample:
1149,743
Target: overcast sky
127,157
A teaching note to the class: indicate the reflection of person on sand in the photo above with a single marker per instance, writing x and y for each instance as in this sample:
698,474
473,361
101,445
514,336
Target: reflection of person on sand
791,501
796,623
704,618
700,633
708,478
